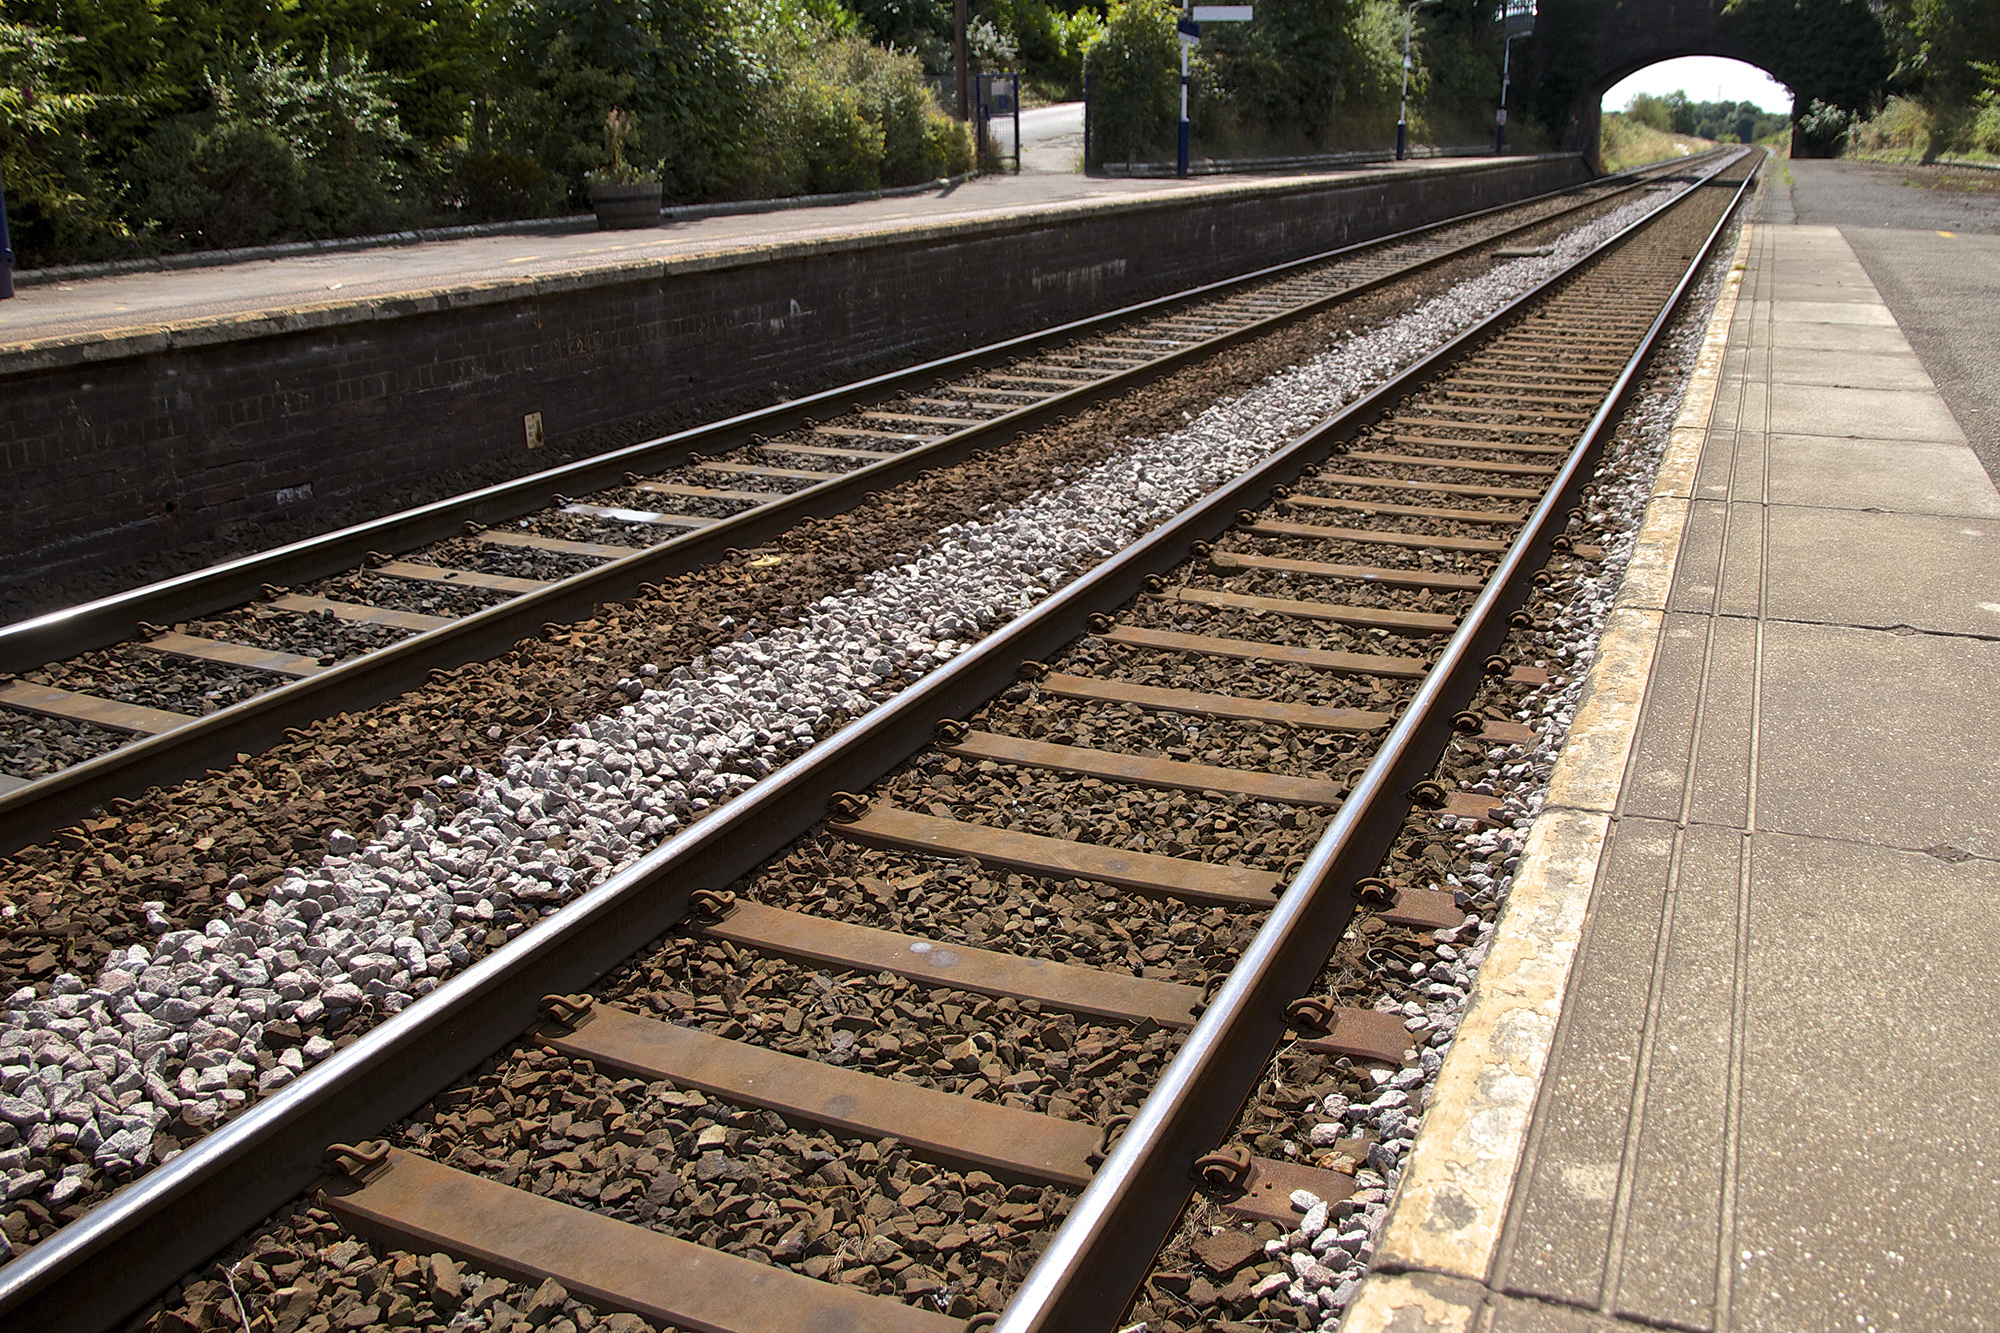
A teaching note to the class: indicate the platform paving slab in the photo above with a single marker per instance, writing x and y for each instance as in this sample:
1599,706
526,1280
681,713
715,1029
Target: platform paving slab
1930,241
1795,408
1881,737
1918,477
1766,1103
1885,370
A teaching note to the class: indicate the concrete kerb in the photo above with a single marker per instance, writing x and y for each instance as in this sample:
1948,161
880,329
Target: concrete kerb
36,355
1445,1222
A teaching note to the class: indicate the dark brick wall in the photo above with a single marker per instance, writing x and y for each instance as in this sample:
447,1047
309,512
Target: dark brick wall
107,461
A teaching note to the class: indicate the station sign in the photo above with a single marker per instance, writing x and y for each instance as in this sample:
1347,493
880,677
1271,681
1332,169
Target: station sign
1222,13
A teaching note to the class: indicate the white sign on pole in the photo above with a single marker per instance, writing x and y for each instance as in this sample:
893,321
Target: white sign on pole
1222,13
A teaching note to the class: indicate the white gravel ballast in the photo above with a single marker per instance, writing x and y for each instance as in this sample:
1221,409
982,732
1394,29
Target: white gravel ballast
174,1030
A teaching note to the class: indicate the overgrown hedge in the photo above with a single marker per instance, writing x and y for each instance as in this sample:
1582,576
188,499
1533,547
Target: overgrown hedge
1302,76
128,127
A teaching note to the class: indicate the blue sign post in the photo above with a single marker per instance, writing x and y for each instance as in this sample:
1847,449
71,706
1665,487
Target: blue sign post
6,249
1190,32
1518,26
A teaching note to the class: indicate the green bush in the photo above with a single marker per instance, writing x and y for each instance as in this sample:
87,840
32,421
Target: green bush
817,139
58,205
1134,68
845,115
1820,130
1651,110
135,126
913,27
286,151
1303,76
679,67
1983,134
1909,127
1050,41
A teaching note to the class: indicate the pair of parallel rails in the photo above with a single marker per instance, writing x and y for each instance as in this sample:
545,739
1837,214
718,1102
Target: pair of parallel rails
1495,435
812,457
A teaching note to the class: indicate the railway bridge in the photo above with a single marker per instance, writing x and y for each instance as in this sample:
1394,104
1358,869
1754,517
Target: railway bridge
1829,50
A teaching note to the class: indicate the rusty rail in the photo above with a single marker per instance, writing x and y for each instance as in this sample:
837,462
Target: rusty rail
1100,1256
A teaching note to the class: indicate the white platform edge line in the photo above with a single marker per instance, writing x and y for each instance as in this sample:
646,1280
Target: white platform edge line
1457,1188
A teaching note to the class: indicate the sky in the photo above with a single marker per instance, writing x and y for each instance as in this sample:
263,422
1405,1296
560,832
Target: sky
1700,77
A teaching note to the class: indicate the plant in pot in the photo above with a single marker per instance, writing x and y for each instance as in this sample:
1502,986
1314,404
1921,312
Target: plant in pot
623,195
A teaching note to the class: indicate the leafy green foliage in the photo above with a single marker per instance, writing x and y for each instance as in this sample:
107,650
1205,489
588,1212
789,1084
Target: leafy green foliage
1303,75
144,125
1050,41
1927,129
1461,46
1722,122
1134,69
56,200
1626,141
922,27
674,66
1946,80
846,115
285,150
1285,76
1946,49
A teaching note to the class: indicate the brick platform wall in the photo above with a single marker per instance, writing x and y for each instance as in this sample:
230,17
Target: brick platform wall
115,449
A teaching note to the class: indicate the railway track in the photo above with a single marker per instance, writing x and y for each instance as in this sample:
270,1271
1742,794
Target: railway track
972,1009
158,683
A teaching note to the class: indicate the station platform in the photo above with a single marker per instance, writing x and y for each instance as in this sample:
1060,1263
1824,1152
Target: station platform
156,416
274,296
1730,1064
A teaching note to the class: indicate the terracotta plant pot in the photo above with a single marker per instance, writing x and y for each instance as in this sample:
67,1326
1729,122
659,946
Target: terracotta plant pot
620,207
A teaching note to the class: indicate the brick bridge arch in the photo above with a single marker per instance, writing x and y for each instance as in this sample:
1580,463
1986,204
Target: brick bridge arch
1583,47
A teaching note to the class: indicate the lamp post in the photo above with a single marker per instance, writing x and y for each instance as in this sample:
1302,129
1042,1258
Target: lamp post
1189,33
6,249
1506,67
1403,111
961,61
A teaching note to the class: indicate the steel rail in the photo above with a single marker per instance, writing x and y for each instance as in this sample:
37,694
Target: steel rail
1101,1254
102,1267
40,639
71,794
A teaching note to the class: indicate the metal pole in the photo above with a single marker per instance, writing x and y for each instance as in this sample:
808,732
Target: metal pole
1500,120
1181,161
959,61
1088,161
1403,110
6,249
1017,123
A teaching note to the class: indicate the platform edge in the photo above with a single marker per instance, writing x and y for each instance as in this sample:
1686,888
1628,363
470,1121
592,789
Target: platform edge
1456,1191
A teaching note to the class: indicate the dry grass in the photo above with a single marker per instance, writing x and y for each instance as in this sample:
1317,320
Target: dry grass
1626,143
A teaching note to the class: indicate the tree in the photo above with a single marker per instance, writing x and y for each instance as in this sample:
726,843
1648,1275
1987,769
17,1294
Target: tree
1940,46
675,65
56,199
1832,51
1134,74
